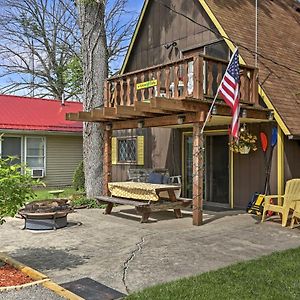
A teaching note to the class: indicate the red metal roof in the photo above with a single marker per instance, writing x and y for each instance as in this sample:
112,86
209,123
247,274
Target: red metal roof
23,113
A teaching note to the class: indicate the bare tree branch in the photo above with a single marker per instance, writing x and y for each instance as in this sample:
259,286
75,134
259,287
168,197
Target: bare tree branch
41,40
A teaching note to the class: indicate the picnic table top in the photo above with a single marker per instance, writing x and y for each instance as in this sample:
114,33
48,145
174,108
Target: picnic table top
139,190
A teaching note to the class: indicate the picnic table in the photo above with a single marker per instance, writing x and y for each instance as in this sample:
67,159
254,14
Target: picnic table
146,197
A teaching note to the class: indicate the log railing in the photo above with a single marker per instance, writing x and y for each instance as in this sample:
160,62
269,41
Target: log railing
195,77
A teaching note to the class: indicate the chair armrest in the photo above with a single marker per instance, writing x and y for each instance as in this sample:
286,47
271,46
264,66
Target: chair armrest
176,177
134,179
269,197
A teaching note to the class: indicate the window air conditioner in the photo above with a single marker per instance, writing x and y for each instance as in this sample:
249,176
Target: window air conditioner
37,173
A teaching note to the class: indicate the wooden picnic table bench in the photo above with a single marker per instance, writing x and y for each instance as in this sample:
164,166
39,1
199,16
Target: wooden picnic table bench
146,207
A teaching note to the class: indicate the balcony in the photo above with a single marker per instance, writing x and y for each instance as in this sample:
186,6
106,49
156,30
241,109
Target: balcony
196,77
176,93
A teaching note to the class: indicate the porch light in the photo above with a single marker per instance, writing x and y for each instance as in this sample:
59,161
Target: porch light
271,115
141,124
244,113
108,127
243,128
214,110
180,119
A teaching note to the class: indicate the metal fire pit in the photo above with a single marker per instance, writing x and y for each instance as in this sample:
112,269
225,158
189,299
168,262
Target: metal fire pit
46,215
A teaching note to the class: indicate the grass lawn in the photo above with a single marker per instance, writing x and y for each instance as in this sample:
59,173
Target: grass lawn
276,276
43,194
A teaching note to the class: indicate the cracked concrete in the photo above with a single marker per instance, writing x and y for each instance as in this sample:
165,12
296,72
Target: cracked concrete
119,252
130,258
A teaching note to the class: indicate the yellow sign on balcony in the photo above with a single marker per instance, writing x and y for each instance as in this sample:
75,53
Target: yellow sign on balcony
146,84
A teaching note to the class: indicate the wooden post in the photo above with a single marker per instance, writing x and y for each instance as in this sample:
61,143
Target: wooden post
198,77
107,161
197,174
254,87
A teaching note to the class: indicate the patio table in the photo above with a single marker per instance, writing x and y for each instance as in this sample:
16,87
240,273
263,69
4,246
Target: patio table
146,197
142,190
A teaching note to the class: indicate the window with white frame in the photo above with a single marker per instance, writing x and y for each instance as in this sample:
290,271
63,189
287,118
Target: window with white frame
35,152
127,150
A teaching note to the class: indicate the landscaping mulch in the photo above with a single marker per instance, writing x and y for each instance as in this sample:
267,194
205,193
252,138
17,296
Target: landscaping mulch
9,276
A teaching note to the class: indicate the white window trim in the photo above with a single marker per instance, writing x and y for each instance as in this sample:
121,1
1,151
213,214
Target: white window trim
25,151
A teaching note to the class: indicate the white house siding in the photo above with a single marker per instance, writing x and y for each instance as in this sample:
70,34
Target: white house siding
63,156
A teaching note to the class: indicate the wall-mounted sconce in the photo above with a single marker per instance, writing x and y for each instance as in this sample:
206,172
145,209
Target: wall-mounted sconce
244,113
141,124
243,128
180,119
170,45
271,115
214,110
108,126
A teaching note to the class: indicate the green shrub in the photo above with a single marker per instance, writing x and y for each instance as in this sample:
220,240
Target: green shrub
90,203
79,178
15,187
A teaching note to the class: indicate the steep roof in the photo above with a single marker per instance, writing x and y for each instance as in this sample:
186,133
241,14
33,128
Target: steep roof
22,113
278,39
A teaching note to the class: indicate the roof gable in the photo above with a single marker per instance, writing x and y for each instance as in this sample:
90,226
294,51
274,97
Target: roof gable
22,113
279,33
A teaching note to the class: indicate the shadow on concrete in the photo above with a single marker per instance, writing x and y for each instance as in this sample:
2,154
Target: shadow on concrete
44,259
220,214
131,214
210,215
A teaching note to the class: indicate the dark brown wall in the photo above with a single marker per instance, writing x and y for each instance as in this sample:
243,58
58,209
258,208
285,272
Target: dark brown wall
163,146
292,159
162,150
160,27
249,170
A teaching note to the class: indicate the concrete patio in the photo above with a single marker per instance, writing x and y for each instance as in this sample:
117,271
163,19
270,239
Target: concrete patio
119,252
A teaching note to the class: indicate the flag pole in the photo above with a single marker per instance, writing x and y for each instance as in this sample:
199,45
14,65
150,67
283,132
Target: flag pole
217,93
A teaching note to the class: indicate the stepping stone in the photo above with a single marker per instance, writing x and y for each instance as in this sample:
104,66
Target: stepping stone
90,289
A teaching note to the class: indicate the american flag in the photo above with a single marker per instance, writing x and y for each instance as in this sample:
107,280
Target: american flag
229,91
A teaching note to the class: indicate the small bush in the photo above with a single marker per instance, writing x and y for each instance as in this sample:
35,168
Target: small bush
79,178
15,187
89,203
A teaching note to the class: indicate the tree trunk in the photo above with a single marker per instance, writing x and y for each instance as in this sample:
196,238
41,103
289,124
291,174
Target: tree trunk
95,69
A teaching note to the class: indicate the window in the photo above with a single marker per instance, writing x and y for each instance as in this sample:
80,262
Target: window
11,146
127,150
35,152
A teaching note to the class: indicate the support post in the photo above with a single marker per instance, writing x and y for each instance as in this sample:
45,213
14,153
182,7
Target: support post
107,161
198,77
197,174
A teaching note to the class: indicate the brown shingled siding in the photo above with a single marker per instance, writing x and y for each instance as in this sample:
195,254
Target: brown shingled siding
279,33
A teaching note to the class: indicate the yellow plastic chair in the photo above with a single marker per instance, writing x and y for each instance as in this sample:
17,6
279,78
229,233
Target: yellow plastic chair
291,196
296,214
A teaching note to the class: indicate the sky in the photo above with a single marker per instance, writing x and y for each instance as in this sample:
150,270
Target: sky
133,5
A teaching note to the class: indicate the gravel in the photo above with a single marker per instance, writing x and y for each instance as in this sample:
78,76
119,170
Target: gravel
36,292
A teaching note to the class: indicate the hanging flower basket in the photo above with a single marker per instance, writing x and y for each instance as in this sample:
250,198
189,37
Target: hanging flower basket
244,150
245,143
